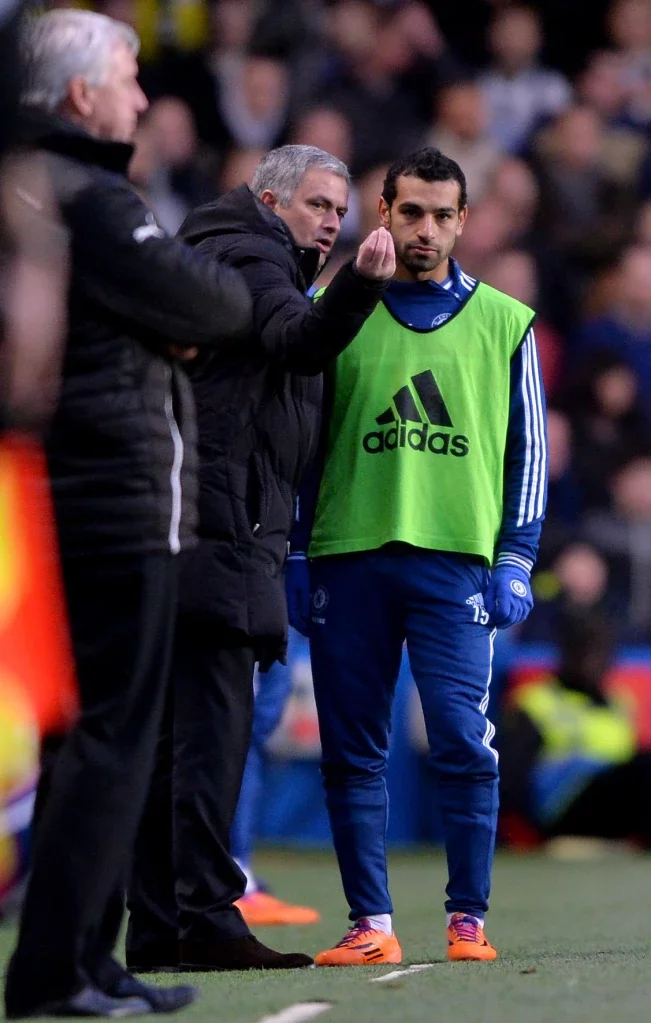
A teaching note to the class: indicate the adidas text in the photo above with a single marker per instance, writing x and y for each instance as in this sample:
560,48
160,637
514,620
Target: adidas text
417,438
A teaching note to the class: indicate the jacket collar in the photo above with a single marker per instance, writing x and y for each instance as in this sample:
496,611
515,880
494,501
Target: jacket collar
58,135
307,259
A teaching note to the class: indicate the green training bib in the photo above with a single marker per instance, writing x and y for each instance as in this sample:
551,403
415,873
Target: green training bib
417,436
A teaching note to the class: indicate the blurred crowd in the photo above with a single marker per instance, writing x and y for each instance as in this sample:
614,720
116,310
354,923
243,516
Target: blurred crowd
553,132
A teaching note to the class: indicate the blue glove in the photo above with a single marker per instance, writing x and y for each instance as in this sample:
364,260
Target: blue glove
297,588
508,599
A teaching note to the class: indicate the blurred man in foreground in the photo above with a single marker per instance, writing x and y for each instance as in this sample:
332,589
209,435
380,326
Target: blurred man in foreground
120,450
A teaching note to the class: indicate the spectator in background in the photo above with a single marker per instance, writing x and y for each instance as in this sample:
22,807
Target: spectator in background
625,326
369,187
582,209
460,131
203,78
623,535
629,25
600,86
368,85
624,147
568,747
488,232
326,127
253,101
515,185
329,129
165,167
642,230
291,31
237,168
514,272
563,500
603,403
433,63
519,91
573,578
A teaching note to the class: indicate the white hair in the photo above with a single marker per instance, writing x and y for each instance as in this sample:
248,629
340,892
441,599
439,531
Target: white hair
63,43
281,170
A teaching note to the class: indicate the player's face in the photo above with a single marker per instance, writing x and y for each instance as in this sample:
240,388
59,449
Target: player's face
317,209
425,222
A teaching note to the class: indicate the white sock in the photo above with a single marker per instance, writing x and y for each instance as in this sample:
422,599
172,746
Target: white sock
381,922
251,883
478,919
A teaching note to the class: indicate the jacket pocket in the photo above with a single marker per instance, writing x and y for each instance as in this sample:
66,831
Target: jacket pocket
256,499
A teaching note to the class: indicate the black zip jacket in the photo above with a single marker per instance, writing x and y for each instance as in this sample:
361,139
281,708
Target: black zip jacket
258,414
121,445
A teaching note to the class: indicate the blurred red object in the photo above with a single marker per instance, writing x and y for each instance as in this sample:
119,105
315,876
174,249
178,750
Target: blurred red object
35,650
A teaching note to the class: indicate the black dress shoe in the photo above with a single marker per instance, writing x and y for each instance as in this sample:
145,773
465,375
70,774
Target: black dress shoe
90,1001
160,999
154,959
246,953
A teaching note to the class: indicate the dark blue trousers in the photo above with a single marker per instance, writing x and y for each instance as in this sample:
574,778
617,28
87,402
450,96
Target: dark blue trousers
272,691
364,607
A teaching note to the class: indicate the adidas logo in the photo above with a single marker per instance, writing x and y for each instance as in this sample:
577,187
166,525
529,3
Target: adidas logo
405,410
477,603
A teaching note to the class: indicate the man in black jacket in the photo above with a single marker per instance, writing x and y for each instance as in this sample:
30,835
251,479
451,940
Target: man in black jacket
120,450
258,414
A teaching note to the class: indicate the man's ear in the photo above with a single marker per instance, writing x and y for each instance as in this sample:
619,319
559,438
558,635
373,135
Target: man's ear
385,213
79,100
463,213
269,199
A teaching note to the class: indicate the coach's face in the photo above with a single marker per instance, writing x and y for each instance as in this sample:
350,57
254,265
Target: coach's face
425,221
316,210
111,110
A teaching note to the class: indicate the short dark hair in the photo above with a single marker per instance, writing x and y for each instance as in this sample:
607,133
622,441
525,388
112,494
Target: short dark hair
429,164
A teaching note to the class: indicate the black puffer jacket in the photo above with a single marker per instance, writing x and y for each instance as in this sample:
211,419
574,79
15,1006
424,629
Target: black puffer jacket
121,446
258,414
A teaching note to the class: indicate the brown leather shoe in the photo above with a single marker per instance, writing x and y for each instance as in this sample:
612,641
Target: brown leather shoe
246,953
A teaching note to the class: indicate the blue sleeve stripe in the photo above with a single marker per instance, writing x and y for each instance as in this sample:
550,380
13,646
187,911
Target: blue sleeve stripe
532,496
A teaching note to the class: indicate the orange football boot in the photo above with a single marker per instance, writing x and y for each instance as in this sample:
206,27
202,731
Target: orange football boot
466,940
362,946
263,910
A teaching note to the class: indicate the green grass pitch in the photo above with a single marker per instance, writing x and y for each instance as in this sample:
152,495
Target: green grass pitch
574,941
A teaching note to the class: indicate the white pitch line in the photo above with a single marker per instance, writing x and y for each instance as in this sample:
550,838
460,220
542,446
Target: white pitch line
297,1013
402,973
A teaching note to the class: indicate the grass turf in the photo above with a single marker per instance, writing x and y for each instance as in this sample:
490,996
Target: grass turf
574,941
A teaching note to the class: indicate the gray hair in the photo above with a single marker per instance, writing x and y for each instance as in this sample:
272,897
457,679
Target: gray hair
282,170
66,42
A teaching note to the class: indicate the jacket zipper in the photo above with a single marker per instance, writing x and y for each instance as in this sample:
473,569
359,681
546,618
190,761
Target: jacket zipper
175,475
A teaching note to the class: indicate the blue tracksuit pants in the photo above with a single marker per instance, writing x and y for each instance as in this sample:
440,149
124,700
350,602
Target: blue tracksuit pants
364,607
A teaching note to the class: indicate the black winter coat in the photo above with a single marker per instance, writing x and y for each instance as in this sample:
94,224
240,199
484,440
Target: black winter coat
258,414
121,446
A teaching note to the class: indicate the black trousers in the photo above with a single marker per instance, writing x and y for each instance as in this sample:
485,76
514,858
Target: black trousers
185,881
122,612
616,804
